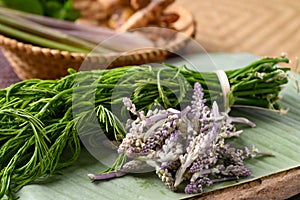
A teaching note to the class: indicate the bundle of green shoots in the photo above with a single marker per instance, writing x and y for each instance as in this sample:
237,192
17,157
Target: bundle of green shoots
39,128
64,35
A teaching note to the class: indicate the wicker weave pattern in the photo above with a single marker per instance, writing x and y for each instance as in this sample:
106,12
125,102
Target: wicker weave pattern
29,61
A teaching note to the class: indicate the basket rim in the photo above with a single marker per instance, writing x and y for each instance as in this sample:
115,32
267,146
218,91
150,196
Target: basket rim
13,43
189,30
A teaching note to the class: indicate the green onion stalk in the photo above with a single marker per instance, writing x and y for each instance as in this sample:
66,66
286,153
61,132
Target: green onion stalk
40,119
66,35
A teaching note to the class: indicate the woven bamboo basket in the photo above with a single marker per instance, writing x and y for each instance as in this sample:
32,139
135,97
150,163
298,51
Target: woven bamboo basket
29,61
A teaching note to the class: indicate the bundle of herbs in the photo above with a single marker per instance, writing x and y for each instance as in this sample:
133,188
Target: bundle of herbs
40,119
187,145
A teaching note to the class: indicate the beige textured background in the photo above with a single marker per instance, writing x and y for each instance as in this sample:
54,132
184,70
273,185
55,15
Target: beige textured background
261,27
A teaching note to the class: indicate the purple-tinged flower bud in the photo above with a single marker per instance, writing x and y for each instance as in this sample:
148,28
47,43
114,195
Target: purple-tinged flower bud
130,106
236,171
197,186
166,177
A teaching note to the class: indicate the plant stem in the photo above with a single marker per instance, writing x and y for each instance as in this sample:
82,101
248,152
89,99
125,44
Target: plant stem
39,40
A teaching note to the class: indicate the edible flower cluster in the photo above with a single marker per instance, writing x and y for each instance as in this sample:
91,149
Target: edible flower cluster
186,146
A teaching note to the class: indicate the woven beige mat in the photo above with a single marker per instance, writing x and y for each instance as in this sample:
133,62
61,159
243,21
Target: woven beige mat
264,28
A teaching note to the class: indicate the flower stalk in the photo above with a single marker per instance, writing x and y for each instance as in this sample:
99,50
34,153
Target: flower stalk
187,145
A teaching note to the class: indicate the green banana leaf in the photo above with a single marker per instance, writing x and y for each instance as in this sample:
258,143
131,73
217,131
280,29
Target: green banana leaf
275,133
